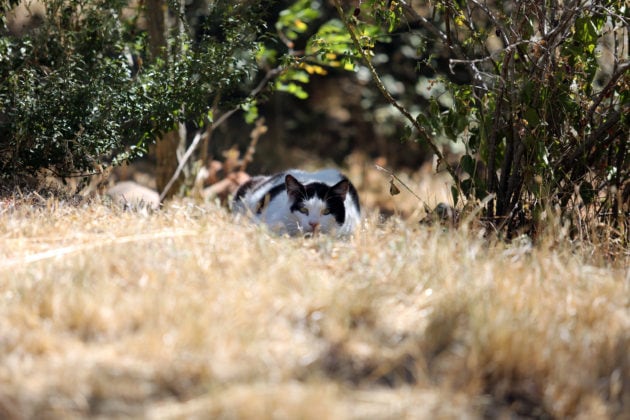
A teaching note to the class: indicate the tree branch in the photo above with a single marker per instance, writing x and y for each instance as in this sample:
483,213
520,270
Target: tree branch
596,136
389,98
621,70
198,137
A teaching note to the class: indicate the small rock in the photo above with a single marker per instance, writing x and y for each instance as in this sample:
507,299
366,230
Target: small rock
132,195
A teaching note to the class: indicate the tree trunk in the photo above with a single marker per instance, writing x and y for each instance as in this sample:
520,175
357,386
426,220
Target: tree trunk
167,146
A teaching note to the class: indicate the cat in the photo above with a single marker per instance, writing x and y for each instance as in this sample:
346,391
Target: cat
297,202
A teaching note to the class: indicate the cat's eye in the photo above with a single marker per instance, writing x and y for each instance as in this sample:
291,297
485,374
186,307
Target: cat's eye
303,210
325,212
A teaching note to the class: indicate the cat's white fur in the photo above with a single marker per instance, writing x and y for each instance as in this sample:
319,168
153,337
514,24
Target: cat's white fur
276,214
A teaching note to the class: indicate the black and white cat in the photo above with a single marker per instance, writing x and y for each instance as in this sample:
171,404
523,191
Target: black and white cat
298,202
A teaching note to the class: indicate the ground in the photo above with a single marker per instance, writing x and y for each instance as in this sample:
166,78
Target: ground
188,313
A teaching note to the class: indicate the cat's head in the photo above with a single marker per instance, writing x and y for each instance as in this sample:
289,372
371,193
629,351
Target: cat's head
316,207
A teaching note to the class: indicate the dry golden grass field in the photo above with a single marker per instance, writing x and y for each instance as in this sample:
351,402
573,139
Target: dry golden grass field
185,313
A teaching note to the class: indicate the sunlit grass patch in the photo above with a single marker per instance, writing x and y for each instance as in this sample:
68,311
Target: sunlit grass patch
185,312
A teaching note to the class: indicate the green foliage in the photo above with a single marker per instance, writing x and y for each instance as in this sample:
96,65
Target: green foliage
62,101
534,101
291,82
293,21
541,121
328,45
333,46
542,118
385,12
71,99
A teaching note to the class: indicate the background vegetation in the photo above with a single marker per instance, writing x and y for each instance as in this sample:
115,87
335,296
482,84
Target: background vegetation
184,312
524,104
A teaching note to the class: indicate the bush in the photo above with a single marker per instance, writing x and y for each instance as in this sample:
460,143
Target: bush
542,115
81,89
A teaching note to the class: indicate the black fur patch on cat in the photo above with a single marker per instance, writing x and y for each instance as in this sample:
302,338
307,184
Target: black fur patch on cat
353,194
270,196
251,184
333,196
242,190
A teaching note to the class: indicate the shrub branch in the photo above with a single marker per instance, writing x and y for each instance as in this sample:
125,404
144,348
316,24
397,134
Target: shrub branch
254,93
389,98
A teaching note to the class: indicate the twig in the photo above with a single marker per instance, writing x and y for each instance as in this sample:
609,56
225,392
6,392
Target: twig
621,71
417,17
492,56
478,208
209,130
381,87
270,74
260,129
393,175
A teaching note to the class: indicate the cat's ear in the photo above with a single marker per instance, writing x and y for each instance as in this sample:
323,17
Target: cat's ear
295,190
340,189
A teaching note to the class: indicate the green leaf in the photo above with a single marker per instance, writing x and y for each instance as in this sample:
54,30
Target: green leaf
531,116
300,76
251,111
294,21
292,88
434,107
333,46
587,193
586,33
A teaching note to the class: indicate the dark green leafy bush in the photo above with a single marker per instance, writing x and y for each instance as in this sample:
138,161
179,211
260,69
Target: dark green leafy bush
80,90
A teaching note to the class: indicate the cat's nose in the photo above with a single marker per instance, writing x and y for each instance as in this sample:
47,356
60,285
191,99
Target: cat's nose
314,226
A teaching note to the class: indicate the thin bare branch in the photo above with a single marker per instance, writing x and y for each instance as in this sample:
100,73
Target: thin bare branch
254,93
381,87
621,71
393,175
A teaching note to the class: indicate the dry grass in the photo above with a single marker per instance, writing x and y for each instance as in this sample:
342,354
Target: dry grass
185,313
